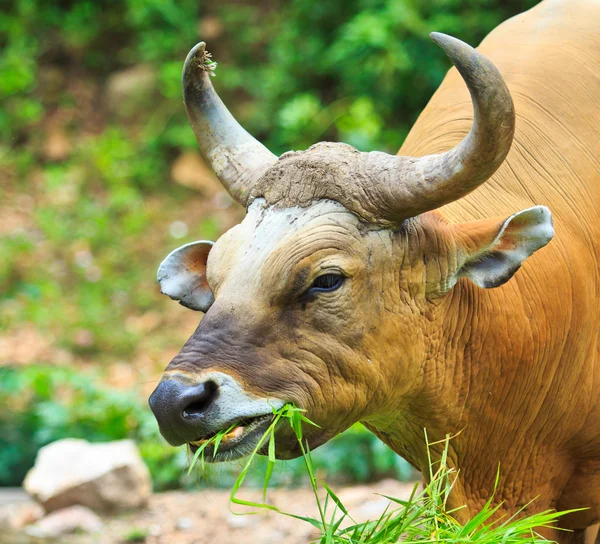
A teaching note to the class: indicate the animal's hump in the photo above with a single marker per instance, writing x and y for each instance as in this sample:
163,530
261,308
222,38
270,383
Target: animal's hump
549,57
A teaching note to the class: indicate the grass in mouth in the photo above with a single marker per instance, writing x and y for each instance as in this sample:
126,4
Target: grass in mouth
423,518
214,441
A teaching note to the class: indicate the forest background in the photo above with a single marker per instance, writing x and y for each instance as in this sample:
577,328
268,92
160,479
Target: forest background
100,178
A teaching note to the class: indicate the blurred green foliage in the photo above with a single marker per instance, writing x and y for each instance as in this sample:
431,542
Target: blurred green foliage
86,221
41,404
284,65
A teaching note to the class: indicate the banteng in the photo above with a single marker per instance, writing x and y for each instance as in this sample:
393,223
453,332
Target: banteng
408,292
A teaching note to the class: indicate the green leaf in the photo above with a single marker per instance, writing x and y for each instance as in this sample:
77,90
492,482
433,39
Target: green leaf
335,498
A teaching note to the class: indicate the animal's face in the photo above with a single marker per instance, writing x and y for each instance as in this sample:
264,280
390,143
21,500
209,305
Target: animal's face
324,295
300,299
308,306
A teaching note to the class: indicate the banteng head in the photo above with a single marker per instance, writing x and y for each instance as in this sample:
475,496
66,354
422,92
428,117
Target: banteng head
325,295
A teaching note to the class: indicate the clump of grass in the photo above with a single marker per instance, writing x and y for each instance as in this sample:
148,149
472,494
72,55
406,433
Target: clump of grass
422,518
205,61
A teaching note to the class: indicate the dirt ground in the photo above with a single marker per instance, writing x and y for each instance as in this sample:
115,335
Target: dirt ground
204,517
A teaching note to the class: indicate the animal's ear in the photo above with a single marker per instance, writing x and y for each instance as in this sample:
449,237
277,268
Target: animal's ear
182,276
492,250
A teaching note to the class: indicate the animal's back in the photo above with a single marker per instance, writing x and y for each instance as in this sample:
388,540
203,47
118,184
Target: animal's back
550,59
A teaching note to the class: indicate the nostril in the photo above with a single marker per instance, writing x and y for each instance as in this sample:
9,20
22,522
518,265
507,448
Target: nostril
196,408
199,399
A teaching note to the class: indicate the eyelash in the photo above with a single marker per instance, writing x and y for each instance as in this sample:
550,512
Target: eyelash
325,284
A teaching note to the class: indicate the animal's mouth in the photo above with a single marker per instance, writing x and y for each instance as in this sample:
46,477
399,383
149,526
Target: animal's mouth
238,442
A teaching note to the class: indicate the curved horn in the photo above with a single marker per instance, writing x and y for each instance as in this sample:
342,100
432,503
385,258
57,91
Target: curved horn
417,185
236,157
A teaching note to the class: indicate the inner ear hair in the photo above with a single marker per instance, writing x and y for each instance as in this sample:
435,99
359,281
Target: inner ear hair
182,275
493,250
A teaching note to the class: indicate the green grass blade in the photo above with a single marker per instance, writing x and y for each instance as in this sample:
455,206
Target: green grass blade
270,464
423,518
335,499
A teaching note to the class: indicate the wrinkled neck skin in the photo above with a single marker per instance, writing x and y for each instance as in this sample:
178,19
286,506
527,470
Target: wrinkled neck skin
426,332
461,371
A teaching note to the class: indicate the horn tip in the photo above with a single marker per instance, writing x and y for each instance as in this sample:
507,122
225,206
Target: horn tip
198,49
449,44
438,37
199,57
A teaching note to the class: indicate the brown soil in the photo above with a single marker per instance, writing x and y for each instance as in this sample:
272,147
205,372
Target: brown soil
204,517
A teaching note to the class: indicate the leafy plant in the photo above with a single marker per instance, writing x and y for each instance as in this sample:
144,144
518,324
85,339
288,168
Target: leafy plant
423,518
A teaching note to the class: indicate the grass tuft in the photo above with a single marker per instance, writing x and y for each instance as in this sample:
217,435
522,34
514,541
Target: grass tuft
205,62
423,518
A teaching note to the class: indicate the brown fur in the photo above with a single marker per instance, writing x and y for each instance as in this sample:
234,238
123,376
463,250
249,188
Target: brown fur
514,370
526,381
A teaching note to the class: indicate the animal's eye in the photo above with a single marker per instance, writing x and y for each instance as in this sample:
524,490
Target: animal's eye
326,283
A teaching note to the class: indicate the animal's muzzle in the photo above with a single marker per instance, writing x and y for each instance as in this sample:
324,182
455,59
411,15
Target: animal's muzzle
180,409
191,408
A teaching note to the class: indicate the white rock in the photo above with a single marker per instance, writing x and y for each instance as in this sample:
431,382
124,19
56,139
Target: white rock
105,476
65,521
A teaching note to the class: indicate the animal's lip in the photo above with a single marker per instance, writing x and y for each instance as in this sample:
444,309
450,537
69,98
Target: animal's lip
240,441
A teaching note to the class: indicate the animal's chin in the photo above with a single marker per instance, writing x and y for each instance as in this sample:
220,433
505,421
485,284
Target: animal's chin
239,442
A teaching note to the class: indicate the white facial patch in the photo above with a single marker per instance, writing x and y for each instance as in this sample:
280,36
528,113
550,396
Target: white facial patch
245,255
244,251
269,226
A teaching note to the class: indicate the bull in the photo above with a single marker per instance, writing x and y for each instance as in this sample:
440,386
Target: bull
375,288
